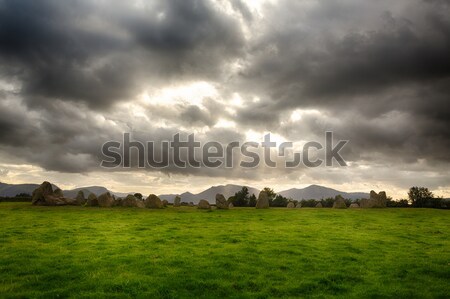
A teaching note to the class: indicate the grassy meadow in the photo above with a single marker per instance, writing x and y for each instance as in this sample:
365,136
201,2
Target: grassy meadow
50,252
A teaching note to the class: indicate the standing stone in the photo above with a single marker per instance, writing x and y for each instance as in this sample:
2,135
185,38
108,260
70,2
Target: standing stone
44,195
140,204
153,202
105,200
378,200
375,201
191,204
92,200
319,205
204,205
81,200
290,205
354,205
298,206
165,203
365,203
58,193
230,206
221,202
40,193
263,201
117,202
339,203
129,201
177,201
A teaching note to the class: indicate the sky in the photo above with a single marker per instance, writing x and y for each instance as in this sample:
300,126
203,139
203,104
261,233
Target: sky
76,74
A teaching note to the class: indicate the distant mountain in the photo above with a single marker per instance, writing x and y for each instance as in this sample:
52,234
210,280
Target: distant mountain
11,190
319,192
97,190
209,194
311,192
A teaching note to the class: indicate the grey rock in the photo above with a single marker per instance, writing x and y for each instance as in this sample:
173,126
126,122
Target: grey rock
221,202
263,201
204,205
153,202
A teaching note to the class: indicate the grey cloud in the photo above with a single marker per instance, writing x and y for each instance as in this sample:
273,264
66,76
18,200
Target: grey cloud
377,73
396,61
59,50
193,115
298,67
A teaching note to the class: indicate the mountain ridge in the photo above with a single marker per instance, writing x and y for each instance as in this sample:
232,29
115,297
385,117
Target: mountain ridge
209,194
320,192
310,192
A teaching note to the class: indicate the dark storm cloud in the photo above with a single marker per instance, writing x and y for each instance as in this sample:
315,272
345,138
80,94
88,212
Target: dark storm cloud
399,63
243,9
376,73
44,47
193,115
100,54
300,67
180,26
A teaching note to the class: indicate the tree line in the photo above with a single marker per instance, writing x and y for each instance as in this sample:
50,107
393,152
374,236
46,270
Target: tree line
418,197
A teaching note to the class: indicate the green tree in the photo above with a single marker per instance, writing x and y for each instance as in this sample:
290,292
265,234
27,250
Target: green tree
279,201
327,202
252,201
23,195
241,198
309,203
402,203
420,197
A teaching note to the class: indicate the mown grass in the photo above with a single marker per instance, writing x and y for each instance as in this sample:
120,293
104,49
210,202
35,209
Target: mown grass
51,252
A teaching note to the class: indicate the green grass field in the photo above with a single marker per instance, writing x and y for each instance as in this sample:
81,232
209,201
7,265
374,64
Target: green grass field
241,253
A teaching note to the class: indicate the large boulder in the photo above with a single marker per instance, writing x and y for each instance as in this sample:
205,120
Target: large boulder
39,194
105,200
290,205
117,201
58,193
177,201
319,205
263,201
130,201
153,202
365,203
339,203
378,200
354,205
81,200
204,205
44,195
140,203
92,200
221,202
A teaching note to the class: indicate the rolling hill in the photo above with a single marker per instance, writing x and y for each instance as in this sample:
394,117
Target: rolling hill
313,191
319,192
209,194
11,190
